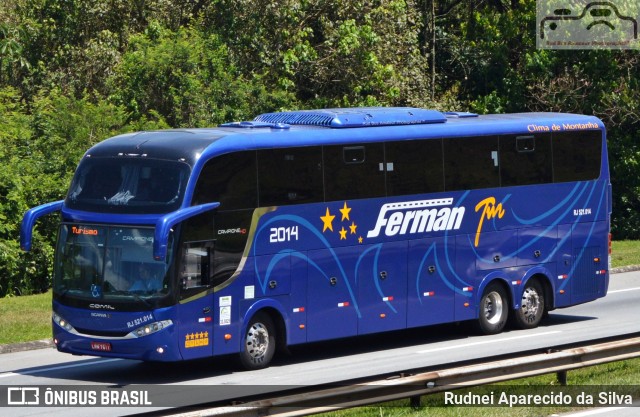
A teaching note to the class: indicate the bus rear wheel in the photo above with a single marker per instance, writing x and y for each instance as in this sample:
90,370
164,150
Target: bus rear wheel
494,310
259,344
532,306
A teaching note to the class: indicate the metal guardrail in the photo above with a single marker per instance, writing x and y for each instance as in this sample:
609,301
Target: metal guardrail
411,386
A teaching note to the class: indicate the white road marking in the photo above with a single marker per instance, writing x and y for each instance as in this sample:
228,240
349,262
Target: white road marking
57,368
625,290
486,342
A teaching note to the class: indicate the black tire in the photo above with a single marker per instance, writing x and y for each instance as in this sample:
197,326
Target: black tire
494,310
259,343
532,306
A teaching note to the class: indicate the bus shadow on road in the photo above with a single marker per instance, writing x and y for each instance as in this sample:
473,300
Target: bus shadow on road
555,319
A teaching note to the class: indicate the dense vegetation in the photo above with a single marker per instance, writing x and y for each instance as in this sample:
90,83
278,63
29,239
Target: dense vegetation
73,72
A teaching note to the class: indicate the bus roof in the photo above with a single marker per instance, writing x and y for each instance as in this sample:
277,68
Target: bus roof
331,126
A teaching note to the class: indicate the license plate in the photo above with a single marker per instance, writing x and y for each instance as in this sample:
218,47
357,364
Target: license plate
101,346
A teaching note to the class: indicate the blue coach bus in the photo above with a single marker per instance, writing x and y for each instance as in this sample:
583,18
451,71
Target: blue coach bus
320,224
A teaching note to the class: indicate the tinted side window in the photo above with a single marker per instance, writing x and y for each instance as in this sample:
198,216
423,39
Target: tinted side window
471,162
352,172
577,155
414,167
290,176
230,179
525,159
196,268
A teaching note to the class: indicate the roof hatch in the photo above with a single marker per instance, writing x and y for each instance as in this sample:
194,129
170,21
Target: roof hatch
256,125
355,117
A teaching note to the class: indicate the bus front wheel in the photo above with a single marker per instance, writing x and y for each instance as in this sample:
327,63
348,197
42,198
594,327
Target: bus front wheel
259,342
532,306
494,310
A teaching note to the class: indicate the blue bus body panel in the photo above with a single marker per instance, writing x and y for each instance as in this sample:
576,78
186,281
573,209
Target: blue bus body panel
384,278
343,268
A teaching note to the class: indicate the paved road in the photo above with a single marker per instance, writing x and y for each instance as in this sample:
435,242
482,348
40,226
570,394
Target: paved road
325,362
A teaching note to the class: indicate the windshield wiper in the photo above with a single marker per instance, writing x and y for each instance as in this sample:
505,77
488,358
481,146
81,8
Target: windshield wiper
138,298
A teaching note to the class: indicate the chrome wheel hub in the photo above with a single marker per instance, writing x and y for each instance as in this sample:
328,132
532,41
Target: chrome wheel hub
530,303
493,308
257,342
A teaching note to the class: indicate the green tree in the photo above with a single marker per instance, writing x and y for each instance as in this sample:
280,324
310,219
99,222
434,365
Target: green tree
17,270
187,78
39,153
74,45
327,53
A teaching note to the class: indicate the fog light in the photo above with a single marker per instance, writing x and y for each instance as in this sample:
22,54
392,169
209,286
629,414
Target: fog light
160,350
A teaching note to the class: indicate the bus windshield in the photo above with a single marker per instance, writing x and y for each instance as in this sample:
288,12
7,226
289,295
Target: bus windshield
104,263
128,185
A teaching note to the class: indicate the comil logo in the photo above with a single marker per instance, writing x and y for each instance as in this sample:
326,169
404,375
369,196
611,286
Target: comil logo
582,24
102,306
421,216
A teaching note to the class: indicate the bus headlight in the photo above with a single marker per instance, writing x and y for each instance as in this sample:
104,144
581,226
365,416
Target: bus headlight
150,328
60,321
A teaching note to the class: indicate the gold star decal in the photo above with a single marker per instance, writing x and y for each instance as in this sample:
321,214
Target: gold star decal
353,228
343,234
360,239
327,221
345,212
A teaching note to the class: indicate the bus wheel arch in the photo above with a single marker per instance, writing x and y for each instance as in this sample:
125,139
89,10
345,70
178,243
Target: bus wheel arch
493,307
535,301
280,329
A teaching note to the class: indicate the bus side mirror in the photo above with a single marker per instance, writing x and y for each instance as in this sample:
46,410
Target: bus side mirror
29,220
166,223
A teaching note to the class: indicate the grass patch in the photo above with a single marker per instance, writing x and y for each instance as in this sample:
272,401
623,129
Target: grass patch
25,318
625,253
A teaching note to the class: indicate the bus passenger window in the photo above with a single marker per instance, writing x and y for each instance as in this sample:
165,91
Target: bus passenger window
471,163
577,155
352,172
417,167
290,176
196,268
525,160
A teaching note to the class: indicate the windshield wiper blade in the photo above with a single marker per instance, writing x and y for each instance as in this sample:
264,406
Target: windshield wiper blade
138,298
